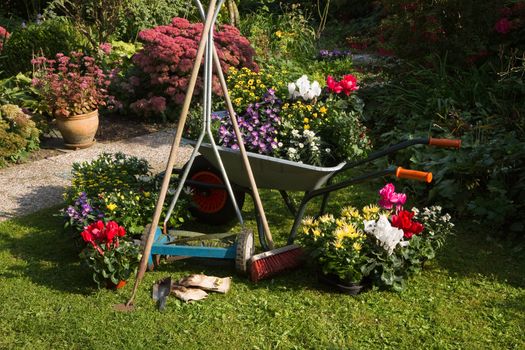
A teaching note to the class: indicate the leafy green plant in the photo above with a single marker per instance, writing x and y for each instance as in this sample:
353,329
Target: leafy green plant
278,38
50,37
18,134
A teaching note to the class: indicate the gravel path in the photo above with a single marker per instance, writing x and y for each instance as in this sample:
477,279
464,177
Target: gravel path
27,188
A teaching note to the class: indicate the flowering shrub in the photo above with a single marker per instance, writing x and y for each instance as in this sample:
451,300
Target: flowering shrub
70,85
298,121
164,65
111,259
4,35
115,187
384,244
18,134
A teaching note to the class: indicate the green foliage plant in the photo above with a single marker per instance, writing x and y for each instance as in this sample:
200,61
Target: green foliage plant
18,134
48,38
280,37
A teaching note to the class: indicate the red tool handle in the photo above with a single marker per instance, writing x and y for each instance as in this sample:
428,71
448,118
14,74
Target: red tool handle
413,174
444,143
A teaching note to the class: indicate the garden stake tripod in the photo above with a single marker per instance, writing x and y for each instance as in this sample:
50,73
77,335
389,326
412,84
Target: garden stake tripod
206,42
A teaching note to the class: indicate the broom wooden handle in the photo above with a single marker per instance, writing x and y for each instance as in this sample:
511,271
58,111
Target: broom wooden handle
242,150
173,152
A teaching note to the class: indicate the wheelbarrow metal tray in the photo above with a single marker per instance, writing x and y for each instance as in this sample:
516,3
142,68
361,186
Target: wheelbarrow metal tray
269,172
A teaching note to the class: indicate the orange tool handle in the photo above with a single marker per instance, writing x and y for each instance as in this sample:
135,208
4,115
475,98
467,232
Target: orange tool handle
413,174
444,143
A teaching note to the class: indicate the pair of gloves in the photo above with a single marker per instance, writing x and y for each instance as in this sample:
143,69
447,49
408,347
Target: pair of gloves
190,288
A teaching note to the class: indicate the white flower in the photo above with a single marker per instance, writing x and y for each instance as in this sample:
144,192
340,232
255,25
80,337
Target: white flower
303,88
301,145
292,150
280,144
327,150
291,90
370,225
315,148
388,236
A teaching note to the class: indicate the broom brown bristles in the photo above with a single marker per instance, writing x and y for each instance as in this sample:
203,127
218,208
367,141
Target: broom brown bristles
275,261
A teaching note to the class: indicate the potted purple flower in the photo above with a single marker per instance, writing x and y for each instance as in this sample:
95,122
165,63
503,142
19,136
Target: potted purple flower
72,88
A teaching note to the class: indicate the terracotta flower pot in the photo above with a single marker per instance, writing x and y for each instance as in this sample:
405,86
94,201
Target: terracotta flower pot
78,131
111,285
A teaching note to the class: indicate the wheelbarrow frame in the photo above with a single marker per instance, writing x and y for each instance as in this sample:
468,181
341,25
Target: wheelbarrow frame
285,176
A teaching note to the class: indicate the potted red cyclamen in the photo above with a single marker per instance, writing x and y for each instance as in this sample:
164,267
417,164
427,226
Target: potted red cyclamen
72,88
112,260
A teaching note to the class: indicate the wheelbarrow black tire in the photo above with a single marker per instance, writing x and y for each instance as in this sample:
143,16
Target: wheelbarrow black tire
212,206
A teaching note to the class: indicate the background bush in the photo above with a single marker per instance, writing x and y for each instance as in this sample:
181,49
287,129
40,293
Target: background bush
483,107
159,81
49,38
18,134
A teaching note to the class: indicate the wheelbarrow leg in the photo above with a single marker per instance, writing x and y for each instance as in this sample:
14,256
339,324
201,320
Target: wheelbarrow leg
288,201
299,216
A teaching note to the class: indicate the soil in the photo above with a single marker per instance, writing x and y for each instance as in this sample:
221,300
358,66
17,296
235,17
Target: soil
111,128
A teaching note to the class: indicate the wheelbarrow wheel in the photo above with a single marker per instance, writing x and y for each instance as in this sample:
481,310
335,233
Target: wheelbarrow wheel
211,205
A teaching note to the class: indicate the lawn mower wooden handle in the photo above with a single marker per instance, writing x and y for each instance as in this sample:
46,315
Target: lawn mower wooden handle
444,143
413,174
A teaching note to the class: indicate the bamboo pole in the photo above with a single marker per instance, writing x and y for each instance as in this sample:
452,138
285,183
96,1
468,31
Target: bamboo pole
173,152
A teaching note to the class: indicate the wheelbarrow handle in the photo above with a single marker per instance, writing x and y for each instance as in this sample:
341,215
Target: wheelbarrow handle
444,143
413,175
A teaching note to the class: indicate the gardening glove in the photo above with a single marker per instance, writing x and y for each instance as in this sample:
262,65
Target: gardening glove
208,283
188,294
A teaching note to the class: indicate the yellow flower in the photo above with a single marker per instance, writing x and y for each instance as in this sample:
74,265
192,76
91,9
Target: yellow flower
278,34
306,120
326,218
323,110
146,194
370,212
308,221
350,212
315,115
309,107
111,206
307,127
316,232
357,246
250,82
338,245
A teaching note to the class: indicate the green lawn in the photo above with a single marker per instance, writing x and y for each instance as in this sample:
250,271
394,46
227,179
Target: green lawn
471,297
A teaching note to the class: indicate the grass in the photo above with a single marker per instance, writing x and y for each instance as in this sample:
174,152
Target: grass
471,297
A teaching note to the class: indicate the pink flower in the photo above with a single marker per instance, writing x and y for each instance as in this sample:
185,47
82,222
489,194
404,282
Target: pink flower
503,26
106,48
389,198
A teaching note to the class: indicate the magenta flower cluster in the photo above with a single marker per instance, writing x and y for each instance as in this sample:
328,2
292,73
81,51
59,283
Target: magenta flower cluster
164,64
4,35
258,126
70,85
389,198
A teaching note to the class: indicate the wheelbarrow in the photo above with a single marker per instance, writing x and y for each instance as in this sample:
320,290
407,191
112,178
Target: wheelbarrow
212,204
